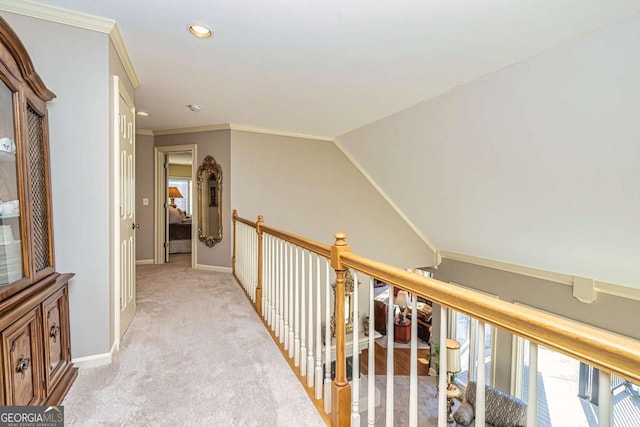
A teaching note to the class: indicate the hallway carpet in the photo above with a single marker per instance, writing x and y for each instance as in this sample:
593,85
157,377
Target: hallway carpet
196,354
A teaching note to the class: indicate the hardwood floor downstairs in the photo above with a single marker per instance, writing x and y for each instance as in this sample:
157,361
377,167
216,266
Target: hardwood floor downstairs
401,359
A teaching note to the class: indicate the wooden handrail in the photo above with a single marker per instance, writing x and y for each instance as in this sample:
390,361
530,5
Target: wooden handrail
310,245
246,221
605,350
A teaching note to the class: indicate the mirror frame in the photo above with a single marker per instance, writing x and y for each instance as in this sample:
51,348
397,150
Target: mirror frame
209,167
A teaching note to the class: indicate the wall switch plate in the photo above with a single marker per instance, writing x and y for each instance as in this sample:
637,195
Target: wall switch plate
145,201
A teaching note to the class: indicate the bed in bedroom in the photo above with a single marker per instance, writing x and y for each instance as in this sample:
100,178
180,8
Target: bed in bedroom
179,232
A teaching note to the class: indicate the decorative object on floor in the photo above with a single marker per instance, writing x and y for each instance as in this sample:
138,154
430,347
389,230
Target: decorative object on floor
365,325
501,409
174,194
210,202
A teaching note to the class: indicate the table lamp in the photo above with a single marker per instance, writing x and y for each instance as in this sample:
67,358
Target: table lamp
453,361
174,194
401,301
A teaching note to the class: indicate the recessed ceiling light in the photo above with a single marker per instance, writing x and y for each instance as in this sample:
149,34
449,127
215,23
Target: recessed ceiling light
199,31
193,107
143,113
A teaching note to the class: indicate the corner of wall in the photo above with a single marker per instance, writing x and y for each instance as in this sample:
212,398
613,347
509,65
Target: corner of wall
436,259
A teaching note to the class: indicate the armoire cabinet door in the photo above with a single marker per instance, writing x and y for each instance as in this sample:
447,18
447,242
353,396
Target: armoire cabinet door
39,193
22,349
11,221
55,320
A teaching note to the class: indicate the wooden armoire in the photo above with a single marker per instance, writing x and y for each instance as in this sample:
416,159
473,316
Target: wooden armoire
35,348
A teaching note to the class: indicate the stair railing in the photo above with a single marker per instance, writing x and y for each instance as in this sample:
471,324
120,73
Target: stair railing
289,279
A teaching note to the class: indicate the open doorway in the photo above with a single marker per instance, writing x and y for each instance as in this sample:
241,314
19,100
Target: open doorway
175,210
179,210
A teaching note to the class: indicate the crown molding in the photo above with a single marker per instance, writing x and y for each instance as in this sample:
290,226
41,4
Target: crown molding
194,129
58,14
550,276
240,128
123,54
79,20
247,128
146,132
385,196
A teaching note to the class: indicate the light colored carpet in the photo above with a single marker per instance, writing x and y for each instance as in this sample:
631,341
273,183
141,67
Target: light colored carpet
195,354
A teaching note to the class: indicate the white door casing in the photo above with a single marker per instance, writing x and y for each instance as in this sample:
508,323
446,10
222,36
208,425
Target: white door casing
125,295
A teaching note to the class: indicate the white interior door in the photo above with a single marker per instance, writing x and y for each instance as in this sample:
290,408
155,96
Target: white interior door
128,225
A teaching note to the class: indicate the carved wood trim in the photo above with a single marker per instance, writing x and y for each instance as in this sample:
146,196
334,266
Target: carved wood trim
13,44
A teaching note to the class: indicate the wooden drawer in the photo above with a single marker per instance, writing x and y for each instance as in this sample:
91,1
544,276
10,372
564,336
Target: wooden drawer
21,346
55,326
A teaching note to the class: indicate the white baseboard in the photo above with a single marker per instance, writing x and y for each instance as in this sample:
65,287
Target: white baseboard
95,360
144,261
214,268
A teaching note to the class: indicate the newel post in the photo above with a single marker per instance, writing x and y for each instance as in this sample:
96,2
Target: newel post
340,388
259,225
235,238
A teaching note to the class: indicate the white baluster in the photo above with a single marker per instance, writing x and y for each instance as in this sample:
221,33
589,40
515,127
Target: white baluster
254,263
604,399
442,369
247,256
274,283
268,281
296,308
245,276
248,261
263,303
310,337
371,370
532,391
318,285
390,374
327,344
287,266
480,377
281,291
413,379
291,302
303,316
355,365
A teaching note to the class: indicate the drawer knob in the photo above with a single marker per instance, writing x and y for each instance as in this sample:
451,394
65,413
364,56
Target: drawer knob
23,364
54,332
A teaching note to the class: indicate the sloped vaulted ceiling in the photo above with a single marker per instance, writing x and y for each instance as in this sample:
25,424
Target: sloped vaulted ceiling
535,165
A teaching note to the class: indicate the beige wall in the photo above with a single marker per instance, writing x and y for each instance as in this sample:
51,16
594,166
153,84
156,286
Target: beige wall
309,188
215,143
144,189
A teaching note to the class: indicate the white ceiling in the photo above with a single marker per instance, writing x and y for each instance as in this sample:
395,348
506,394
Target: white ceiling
327,67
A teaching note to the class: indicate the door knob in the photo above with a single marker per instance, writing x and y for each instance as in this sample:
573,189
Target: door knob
135,226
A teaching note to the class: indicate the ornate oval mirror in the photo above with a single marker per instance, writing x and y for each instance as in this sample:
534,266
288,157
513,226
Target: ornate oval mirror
210,202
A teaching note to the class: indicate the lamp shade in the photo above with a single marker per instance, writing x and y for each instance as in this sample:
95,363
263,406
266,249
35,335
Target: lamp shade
174,193
453,356
401,299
